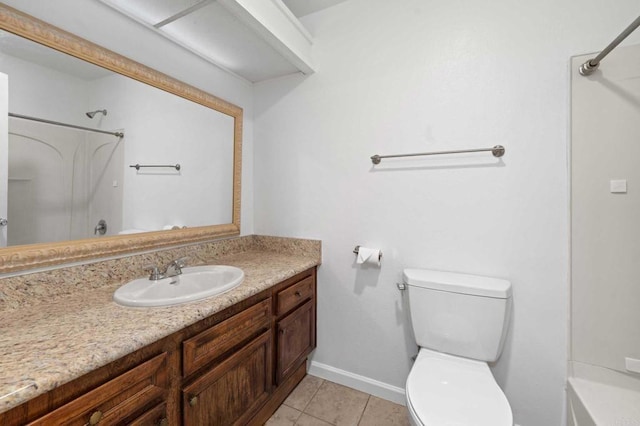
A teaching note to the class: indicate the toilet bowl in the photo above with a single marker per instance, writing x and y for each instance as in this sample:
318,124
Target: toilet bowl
460,323
446,390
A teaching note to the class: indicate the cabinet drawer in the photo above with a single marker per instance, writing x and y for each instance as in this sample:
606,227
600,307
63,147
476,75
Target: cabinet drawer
118,401
295,340
293,296
215,341
157,416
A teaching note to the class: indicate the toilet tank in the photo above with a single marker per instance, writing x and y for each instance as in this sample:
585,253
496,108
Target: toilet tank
459,314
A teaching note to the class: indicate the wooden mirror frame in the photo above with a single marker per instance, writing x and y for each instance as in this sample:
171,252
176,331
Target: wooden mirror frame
18,258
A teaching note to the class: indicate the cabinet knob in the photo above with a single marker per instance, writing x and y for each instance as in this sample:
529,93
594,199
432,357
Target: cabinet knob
95,418
298,294
163,422
193,401
282,330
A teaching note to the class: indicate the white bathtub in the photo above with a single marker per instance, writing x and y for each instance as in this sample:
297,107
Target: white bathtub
602,397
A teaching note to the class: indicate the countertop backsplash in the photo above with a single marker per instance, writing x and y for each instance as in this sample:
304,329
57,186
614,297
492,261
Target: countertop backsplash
32,288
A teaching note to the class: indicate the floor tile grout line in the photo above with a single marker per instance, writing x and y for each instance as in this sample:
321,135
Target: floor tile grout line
317,418
295,422
365,409
323,381
313,396
307,404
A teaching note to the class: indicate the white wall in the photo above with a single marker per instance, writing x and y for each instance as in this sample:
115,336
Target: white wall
605,231
161,128
411,76
31,91
102,25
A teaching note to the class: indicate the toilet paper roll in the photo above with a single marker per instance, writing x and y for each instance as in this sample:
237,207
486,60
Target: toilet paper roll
369,256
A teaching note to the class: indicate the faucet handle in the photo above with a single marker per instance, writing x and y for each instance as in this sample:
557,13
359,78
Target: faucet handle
181,262
154,272
175,267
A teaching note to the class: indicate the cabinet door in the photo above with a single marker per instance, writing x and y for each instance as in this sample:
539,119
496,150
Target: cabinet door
295,339
233,391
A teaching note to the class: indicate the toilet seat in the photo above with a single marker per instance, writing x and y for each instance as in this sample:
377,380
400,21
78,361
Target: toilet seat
446,390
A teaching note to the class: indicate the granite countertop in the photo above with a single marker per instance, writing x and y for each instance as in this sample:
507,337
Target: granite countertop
45,345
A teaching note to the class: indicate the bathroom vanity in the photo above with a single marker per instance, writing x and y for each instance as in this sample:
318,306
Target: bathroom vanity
234,365
68,353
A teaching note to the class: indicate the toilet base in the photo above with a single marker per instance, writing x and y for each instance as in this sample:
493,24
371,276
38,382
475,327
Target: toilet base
447,389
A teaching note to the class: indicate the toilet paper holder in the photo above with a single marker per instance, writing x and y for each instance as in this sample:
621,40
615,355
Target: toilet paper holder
357,250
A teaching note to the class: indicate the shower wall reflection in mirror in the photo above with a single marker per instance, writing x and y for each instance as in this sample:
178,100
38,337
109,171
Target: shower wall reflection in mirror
62,181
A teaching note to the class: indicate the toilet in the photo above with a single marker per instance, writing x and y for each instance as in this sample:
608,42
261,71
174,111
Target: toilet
460,323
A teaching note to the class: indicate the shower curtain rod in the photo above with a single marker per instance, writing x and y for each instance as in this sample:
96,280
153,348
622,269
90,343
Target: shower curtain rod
592,64
73,126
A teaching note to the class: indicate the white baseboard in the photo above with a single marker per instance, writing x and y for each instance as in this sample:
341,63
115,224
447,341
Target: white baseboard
358,382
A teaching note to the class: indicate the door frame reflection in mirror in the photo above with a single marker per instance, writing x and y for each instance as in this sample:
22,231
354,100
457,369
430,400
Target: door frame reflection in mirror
19,258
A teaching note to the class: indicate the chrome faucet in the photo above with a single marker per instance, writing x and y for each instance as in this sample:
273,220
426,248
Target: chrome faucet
154,273
175,267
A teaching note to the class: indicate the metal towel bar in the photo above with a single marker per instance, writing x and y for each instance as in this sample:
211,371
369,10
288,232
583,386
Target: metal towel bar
497,151
139,166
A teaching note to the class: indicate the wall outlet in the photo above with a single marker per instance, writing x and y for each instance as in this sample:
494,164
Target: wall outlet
632,364
618,186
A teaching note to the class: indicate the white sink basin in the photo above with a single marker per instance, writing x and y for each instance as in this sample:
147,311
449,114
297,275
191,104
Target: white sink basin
195,283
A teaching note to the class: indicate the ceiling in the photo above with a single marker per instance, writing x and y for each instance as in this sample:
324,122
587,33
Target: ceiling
305,7
242,37
255,40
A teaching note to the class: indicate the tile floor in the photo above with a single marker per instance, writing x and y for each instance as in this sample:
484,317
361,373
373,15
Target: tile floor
317,402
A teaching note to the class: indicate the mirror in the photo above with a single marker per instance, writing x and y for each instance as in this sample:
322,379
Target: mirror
125,153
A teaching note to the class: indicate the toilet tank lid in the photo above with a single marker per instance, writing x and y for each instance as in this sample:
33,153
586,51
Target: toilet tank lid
458,283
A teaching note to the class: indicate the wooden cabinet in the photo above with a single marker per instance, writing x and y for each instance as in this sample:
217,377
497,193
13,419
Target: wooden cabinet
295,325
138,393
216,341
232,392
157,416
237,381
294,340
292,296
233,368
